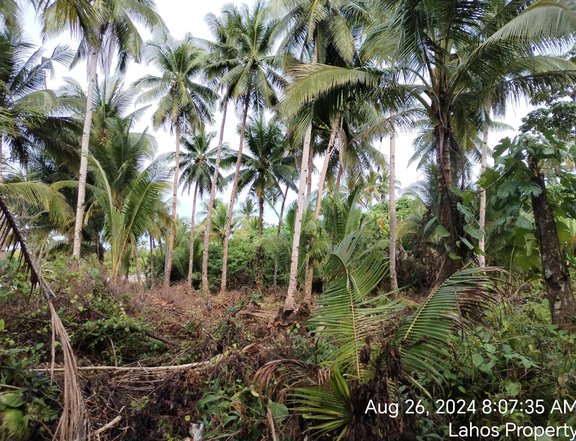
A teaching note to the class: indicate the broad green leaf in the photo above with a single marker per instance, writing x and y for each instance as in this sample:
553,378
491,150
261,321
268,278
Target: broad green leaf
12,399
472,231
441,231
279,411
531,189
477,360
508,188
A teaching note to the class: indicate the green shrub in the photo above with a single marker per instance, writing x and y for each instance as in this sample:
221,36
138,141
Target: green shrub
27,399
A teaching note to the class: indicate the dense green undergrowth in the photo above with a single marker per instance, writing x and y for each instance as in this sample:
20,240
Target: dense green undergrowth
512,354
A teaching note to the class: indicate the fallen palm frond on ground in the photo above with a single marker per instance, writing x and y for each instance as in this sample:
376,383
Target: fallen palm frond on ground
149,369
73,424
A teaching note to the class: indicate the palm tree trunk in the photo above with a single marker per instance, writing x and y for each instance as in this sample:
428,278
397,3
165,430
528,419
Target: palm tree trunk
482,215
280,217
556,279
136,263
449,217
392,191
342,157
192,234
308,280
310,170
92,65
305,170
152,278
309,277
224,280
170,253
260,217
260,248
205,286
290,302
322,181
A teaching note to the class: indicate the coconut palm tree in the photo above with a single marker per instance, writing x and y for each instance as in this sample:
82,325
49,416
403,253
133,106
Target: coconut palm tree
222,55
322,32
111,100
124,191
184,103
450,56
29,111
104,27
248,209
253,82
112,104
265,167
219,220
198,162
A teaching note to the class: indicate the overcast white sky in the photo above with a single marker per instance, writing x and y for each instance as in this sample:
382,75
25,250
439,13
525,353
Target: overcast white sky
183,17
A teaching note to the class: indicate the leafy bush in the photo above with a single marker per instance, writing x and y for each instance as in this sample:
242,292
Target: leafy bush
27,399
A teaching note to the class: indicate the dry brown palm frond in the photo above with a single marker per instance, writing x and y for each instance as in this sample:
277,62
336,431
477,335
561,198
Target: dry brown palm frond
279,377
73,424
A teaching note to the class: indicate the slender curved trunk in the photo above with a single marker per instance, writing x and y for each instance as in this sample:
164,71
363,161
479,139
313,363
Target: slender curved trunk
309,277
308,281
449,217
136,263
392,191
260,248
205,286
170,253
278,231
260,217
290,302
224,280
482,215
324,173
152,278
92,64
192,235
310,171
342,157
554,269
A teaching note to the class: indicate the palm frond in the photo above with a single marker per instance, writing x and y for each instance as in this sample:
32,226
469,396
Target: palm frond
40,195
331,405
313,81
461,299
345,315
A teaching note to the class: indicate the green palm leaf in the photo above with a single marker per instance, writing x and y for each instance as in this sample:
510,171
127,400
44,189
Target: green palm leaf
38,195
331,405
461,299
345,315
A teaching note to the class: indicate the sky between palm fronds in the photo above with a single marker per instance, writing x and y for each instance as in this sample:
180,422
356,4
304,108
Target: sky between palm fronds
184,16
